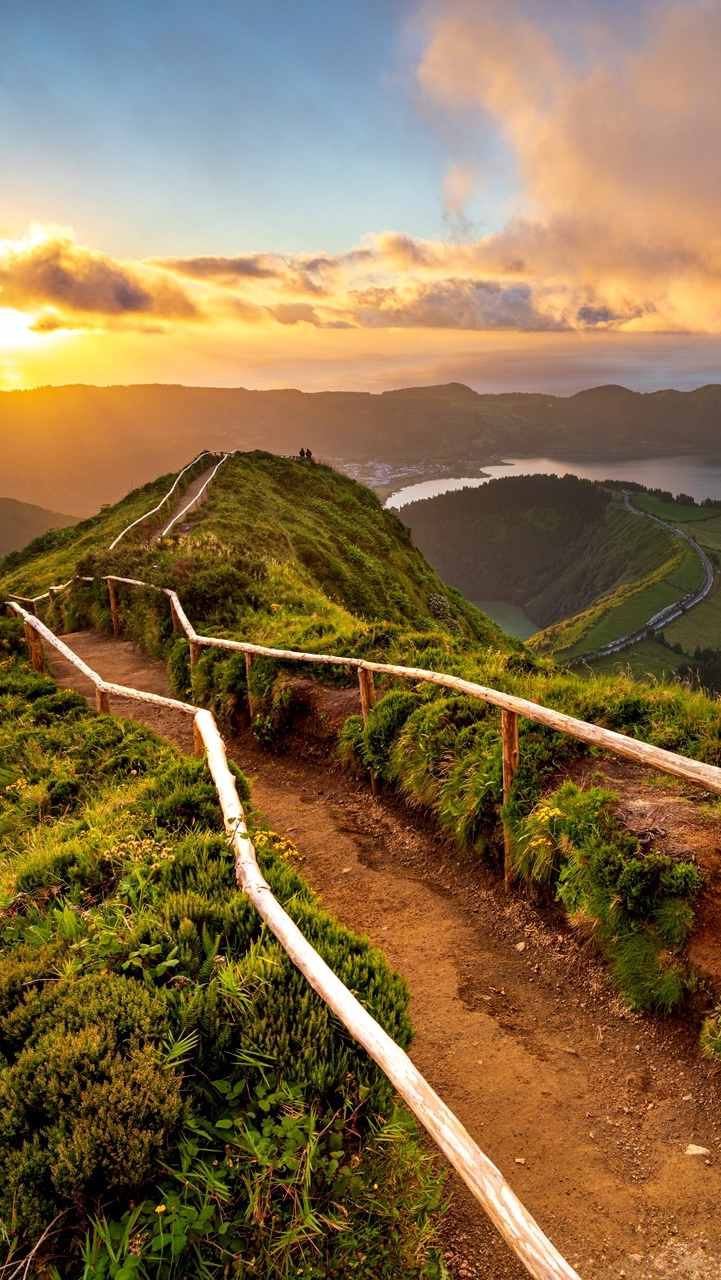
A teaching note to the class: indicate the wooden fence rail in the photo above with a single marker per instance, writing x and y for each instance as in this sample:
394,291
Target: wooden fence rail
207,453
539,1256
511,707
520,1230
198,497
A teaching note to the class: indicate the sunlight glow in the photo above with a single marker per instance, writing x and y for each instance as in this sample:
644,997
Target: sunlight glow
15,329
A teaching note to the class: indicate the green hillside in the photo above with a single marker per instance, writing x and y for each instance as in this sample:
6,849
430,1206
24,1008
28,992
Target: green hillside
565,550
20,522
282,549
292,554
172,1092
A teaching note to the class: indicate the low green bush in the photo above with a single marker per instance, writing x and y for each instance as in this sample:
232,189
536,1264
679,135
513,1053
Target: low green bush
637,904
175,1100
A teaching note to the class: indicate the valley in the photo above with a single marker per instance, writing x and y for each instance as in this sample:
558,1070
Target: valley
600,590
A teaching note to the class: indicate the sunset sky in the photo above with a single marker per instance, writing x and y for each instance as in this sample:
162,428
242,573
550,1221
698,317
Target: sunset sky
360,194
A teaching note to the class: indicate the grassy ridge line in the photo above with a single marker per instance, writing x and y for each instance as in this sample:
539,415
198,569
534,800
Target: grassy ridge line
51,558
283,551
168,1081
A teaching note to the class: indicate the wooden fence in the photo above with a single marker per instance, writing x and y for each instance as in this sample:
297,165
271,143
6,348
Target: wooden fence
537,1253
523,1234
511,707
207,453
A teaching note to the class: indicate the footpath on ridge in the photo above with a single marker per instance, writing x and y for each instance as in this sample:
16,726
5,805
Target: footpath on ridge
194,488
586,1108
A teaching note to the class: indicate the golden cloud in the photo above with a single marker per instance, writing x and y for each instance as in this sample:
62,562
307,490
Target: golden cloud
66,286
617,151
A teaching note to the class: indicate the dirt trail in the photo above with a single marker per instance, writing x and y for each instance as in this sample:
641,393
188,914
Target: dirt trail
585,1107
191,492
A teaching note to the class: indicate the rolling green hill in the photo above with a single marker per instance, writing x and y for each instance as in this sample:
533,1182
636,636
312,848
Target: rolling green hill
20,522
282,549
289,553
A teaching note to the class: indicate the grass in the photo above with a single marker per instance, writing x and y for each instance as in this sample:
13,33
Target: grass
672,511
627,609
706,532
52,557
282,550
701,626
637,903
172,1092
647,660
324,568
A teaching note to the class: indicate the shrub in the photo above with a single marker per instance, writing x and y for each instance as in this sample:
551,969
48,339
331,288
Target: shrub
384,721
638,904
172,1090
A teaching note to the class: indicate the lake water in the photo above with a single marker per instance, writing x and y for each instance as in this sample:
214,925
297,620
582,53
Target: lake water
697,475
510,617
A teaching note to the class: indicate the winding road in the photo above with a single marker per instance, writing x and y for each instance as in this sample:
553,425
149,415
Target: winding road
671,611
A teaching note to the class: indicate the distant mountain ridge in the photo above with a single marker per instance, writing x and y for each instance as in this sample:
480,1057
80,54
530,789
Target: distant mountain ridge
20,522
83,446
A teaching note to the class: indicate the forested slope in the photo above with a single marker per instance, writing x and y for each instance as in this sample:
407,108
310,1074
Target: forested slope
552,545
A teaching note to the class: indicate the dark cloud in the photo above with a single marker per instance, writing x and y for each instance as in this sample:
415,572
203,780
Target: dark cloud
252,266
454,304
55,272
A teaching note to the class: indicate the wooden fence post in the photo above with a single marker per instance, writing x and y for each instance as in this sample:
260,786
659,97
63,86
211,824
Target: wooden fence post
174,617
37,656
367,691
367,687
248,668
102,701
511,756
113,593
194,653
198,741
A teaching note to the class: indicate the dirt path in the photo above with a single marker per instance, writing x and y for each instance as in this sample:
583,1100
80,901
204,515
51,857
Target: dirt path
191,492
586,1108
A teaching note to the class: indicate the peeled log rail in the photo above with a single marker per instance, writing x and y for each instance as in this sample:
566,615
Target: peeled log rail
103,686
488,1185
540,1257
194,501
205,454
703,775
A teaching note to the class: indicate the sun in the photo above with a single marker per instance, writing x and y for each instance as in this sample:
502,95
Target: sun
15,329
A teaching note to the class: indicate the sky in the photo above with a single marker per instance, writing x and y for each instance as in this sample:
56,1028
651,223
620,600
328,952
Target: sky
515,194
